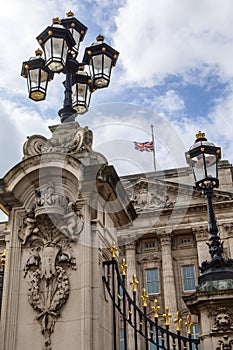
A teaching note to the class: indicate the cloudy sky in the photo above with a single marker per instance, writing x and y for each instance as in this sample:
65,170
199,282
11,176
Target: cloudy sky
174,71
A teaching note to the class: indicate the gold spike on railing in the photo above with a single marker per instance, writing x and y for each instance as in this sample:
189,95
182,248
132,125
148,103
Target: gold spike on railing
155,308
3,258
178,321
113,249
134,283
144,297
167,316
189,324
123,267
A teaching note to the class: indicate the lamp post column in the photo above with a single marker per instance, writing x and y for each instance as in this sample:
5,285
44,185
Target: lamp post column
212,301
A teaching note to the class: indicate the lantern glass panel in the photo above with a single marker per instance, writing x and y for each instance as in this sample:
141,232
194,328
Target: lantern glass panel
211,165
198,167
55,53
33,76
38,76
98,64
76,36
107,65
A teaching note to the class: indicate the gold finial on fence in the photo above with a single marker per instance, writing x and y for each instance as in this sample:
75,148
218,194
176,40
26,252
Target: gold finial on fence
3,258
166,316
178,321
113,249
144,297
155,308
123,267
134,283
189,324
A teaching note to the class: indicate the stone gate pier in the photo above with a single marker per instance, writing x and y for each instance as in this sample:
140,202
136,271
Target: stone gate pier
65,204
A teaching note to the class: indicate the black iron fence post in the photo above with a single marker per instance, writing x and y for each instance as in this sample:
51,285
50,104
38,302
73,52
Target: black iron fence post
2,270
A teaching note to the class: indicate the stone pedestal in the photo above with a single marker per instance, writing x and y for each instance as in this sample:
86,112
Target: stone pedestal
64,205
213,303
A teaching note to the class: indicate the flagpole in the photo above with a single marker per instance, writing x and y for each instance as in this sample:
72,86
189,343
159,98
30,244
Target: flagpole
153,140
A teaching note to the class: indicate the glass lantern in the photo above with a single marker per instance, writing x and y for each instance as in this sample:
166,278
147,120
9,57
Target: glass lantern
81,91
77,29
55,42
101,58
38,76
203,157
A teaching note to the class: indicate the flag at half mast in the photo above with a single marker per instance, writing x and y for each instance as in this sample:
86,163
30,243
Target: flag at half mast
148,146
144,146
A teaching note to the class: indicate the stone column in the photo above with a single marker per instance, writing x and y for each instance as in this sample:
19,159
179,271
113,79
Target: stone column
130,255
169,288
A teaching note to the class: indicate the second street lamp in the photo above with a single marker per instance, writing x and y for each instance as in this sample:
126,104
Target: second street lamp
203,157
60,44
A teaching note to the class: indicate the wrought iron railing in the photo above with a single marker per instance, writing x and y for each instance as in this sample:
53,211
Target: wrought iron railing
147,333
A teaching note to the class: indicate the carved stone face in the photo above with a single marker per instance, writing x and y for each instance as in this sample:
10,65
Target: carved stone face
223,319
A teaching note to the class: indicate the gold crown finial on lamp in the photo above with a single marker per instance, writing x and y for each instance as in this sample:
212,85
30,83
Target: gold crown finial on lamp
70,14
200,135
38,52
56,20
100,37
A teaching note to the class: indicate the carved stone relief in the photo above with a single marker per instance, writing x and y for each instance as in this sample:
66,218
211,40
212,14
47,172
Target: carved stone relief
225,343
142,197
47,239
66,139
223,320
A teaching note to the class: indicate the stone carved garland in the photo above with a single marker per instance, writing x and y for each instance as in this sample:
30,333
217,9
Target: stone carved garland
50,257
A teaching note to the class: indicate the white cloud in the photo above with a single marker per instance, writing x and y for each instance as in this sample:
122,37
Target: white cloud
163,37
17,123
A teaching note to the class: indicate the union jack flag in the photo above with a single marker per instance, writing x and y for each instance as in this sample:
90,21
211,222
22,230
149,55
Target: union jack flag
144,146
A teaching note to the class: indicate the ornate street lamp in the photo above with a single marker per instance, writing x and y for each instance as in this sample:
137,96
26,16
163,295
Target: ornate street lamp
203,158
60,43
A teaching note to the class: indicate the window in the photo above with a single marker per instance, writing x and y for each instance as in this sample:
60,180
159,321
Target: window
152,281
188,277
120,291
122,339
149,244
157,344
185,241
196,334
